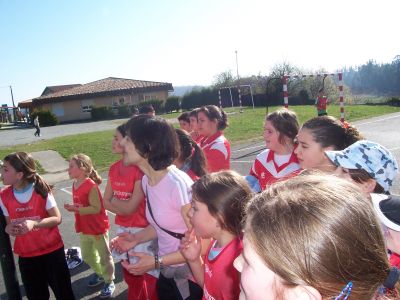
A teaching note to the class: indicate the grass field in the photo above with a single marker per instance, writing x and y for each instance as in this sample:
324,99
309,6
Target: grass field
243,127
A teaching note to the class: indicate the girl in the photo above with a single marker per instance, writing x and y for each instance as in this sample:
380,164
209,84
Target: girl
326,244
91,222
151,143
320,134
124,197
373,168
32,218
184,121
278,160
194,131
211,122
191,158
217,211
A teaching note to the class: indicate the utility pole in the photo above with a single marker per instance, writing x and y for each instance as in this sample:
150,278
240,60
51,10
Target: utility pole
238,83
7,263
12,99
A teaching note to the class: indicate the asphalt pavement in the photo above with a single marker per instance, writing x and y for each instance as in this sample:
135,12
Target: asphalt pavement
383,129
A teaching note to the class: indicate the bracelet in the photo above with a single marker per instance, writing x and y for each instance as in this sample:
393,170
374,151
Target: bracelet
156,262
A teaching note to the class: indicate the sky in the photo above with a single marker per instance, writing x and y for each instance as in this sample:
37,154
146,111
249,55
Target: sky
185,42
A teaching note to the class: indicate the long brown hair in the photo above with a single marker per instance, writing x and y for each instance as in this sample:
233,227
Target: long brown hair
328,131
225,193
319,231
190,151
85,163
24,162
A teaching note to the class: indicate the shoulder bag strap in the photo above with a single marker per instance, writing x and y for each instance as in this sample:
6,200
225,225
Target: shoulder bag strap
176,235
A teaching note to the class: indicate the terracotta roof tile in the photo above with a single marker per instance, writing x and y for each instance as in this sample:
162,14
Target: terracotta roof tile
104,86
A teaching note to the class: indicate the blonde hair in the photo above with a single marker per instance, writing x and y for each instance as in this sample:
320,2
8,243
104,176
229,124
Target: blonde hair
319,231
85,163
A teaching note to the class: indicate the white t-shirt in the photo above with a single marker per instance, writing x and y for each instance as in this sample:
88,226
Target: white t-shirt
25,196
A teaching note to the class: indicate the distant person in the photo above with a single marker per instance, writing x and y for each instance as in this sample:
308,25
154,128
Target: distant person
135,111
321,103
194,133
184,121
217,149
37,126
32,218
91,222
147,110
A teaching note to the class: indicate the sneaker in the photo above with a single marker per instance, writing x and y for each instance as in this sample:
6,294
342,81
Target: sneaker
95,280
107,290
73,257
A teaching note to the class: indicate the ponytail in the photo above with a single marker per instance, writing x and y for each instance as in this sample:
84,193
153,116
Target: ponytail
41,186
198,160
215,113
95,176
191,153
84,162
24,162
351,135
328,131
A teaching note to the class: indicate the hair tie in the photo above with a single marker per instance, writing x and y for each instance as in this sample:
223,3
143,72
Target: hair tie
345,293
345,124
392,278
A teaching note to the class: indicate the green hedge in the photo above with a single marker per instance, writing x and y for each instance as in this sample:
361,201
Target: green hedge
102,113
46,118
172,104
158,105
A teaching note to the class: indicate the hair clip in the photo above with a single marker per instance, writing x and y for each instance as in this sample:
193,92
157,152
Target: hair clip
392,278
345,293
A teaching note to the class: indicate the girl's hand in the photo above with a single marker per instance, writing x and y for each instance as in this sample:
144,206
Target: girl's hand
124,242
144,264
27,225
71,207
13,229
191,246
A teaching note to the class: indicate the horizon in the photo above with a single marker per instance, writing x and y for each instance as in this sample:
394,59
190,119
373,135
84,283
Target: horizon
50,43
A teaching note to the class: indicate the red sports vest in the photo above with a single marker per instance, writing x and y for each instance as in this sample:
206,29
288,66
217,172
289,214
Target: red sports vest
322,102
217,151
122,179
89,224
221,279
39,241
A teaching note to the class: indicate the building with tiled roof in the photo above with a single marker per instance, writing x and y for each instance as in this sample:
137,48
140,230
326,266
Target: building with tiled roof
74,102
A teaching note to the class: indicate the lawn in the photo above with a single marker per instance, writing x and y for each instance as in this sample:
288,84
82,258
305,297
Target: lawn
243,127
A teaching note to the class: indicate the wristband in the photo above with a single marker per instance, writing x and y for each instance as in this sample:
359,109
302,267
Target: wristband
156,262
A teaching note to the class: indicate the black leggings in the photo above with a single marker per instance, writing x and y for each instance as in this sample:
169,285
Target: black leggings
40,272
167,290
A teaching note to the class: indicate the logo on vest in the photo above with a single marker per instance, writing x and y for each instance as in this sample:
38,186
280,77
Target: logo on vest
208,270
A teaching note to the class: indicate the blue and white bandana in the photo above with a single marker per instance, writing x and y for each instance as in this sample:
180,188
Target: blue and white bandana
369,156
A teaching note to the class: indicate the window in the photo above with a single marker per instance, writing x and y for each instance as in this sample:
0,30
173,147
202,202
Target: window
58,109
86,105
121,101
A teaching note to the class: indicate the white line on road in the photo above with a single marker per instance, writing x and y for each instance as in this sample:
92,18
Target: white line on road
375,121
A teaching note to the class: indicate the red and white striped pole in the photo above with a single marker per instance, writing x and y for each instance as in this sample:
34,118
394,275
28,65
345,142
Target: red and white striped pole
341,102
285,91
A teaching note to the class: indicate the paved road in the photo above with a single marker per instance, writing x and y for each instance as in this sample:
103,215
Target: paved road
382,129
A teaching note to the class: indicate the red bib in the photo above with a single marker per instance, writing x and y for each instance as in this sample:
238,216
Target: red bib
38,241
122,179
89,224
